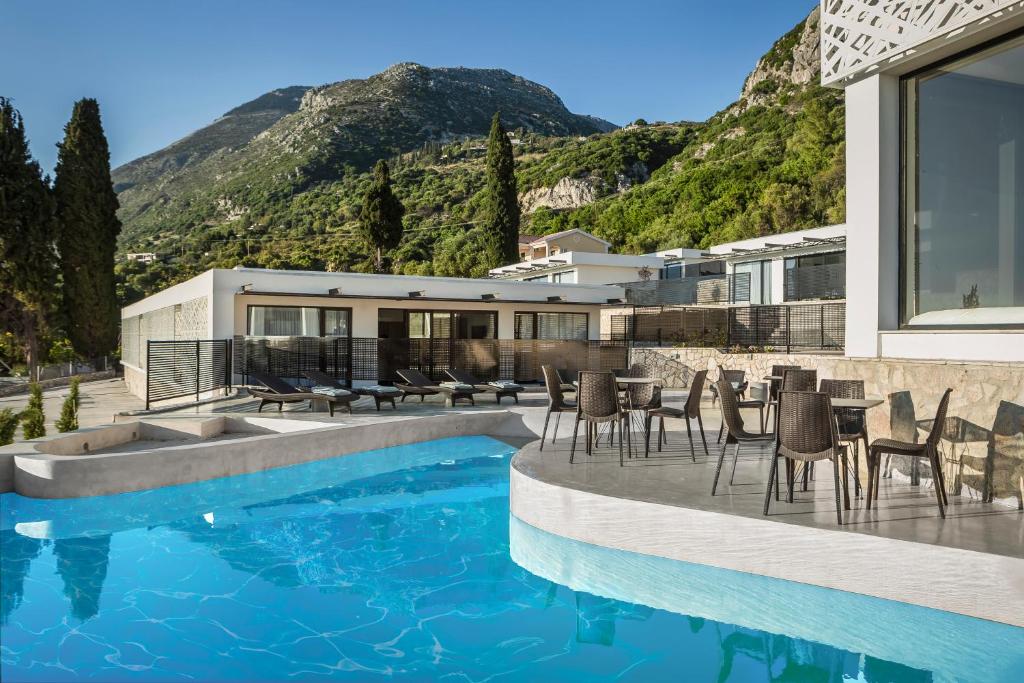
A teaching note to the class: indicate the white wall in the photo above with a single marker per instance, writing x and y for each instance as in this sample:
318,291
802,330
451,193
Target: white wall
872,212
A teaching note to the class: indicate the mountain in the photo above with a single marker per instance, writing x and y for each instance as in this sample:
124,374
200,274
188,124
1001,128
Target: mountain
287,140
770,162
232,130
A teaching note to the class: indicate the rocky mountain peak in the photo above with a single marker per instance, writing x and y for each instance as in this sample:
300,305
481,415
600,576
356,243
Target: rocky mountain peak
794,59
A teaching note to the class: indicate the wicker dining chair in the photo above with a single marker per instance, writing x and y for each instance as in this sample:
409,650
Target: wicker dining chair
798,379
737,376
806,433
557,403
689,412
929,449
735,433
598,402
852,422
773,390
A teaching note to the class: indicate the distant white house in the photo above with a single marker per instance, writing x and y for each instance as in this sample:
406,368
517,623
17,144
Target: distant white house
142,257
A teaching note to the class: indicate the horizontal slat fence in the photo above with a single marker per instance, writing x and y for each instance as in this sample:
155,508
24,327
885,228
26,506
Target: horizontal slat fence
176,369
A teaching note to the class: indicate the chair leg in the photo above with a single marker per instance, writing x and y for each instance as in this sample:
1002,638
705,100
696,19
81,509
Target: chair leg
773,478
735,457
558,419
718,469
760,409
721,428
934,457
544,432
648,426
835,475
871,478
621,427
700,425
689,435
661,432
790,479
856,468
846,481
263,402
575,431
878,474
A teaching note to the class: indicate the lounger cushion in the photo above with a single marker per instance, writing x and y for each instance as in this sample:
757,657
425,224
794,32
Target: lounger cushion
457,386
382,390
331,391
506,385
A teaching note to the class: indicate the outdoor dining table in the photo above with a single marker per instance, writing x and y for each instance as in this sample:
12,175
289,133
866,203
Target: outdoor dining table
620,382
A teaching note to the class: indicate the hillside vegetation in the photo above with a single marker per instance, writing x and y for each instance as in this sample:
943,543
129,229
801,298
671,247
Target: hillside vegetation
771,162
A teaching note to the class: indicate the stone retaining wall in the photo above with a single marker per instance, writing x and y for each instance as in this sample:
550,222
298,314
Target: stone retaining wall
994,459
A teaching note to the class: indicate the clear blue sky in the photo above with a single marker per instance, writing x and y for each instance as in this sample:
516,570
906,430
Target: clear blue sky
163,69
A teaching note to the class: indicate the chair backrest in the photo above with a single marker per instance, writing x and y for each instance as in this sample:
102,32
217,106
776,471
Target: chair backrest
902,417
800,380
696,389
415,377
779,371
598,395
462,376
806,425
851,421
733,375
940,420
730,408
553,384
564,376
322,379
275,384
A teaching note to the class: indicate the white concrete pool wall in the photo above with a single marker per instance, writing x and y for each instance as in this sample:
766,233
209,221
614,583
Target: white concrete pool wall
60,467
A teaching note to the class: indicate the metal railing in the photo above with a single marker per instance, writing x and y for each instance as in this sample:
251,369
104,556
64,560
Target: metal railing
175,369
779,328
815,282
689,291
377,360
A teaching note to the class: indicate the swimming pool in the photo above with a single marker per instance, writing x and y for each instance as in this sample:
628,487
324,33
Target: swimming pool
403,563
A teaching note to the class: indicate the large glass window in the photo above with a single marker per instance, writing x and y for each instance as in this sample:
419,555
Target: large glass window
963,181
815,276
564,276
298,321
551,326
760,273
396,323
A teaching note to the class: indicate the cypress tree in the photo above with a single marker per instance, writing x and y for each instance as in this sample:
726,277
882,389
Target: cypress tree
87,214
33,421
380,217
501,199
28,260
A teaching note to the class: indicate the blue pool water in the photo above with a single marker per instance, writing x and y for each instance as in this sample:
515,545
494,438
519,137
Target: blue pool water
403,563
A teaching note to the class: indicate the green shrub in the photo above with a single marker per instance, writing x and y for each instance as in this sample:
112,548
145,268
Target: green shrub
68,420
73,394
33,420
8,425
32,423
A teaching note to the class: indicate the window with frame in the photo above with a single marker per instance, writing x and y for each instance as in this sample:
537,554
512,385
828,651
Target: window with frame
574,326
962,217
298,321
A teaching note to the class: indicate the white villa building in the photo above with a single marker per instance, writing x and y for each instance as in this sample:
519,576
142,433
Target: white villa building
935,175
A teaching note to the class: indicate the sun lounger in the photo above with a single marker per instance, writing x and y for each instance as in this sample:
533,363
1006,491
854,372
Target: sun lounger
500,389
415,383
280,392
379,394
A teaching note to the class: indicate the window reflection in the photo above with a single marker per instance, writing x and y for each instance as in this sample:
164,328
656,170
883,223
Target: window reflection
963,250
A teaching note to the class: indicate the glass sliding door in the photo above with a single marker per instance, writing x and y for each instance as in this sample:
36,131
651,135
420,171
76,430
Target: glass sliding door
298,321
962,260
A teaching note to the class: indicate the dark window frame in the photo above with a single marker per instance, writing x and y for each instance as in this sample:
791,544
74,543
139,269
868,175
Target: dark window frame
320,319
533,315
451,319
902,189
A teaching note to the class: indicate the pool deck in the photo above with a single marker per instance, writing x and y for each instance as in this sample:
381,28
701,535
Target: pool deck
971,563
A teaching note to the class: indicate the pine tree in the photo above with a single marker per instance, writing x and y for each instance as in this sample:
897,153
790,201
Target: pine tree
87,213
380,217
8,425
28,260
501,199
33,420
